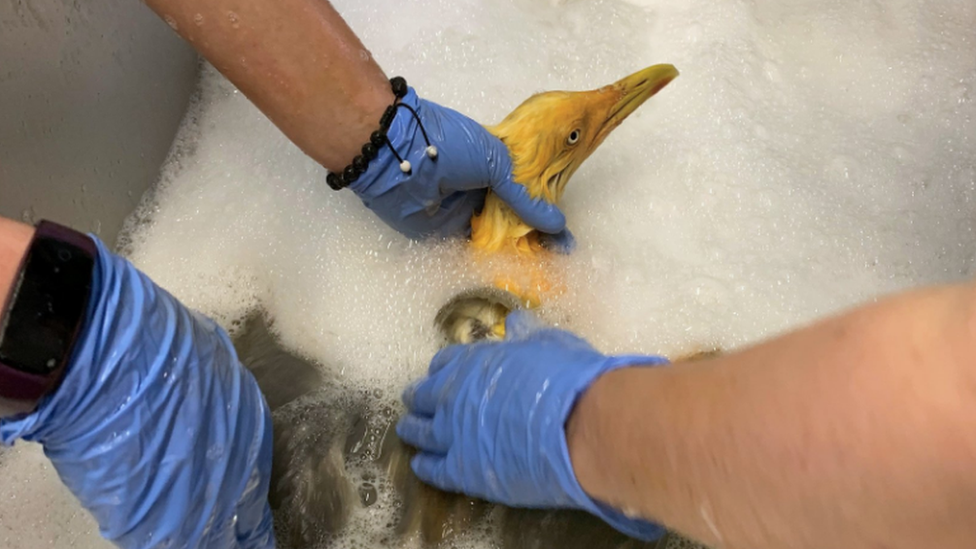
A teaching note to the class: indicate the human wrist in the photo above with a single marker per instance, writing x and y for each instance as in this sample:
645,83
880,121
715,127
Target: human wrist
373,157
15,238
597,440
598,472
594,422
368,106
47,295
583,434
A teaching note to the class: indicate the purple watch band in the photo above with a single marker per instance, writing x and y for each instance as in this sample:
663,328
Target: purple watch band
44,315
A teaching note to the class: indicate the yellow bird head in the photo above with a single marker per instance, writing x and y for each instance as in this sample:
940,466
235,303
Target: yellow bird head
549,136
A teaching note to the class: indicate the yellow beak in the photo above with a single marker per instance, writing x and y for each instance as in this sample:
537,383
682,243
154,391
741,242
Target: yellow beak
627,94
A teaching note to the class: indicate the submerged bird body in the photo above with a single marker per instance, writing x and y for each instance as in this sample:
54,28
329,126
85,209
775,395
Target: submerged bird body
336,455
548,137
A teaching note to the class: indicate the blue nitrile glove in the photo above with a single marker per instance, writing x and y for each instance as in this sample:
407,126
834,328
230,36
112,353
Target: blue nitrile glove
439,196
490,419
157,428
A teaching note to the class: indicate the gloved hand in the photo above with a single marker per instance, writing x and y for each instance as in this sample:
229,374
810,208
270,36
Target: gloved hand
439,196
489,421
156,428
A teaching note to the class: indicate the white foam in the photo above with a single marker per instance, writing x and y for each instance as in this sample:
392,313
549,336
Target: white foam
813,154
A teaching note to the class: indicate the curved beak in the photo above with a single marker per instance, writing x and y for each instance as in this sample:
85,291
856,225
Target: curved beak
629,93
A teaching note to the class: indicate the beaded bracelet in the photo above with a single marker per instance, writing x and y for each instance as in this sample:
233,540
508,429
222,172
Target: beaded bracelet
342,179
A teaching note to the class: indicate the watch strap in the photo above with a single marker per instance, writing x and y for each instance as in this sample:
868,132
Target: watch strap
44,314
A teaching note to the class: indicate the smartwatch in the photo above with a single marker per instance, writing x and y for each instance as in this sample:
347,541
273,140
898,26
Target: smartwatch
44,315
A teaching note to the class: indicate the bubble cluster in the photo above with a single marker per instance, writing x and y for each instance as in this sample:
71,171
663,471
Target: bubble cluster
812,155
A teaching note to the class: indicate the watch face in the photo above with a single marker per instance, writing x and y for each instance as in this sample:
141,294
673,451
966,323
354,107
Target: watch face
45,311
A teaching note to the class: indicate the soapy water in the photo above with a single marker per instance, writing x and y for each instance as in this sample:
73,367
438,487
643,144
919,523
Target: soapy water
812,155
340,472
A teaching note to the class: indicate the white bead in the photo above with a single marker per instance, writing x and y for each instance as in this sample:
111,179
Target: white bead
431,152
405,166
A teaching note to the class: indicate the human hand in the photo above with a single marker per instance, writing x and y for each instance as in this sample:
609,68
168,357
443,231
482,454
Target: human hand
156,427
489,421
439,195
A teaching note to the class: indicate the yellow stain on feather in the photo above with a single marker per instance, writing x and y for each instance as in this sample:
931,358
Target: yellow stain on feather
549,136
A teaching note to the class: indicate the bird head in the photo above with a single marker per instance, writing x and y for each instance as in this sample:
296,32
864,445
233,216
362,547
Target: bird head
550,135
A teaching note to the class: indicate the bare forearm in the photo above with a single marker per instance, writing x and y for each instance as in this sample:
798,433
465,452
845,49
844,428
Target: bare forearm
14,240
859,431
298,61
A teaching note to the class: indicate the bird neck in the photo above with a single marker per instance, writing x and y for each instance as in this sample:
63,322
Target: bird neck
497,229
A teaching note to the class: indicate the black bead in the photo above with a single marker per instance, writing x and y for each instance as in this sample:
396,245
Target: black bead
359,163
334,181
399,85
388,115
377,139
369,151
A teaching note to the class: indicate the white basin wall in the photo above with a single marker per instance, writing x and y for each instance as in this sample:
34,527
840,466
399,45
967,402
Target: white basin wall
91,95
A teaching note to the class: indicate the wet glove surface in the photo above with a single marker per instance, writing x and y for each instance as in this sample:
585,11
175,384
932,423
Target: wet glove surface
439,196
489,420
156,428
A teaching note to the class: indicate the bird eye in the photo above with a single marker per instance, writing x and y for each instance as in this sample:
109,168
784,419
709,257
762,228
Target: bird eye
573,137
